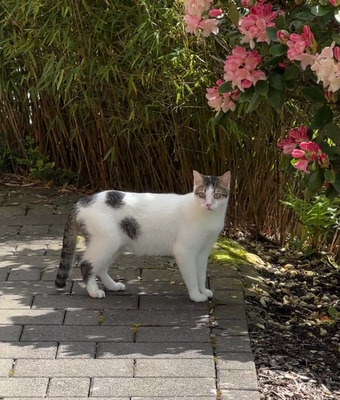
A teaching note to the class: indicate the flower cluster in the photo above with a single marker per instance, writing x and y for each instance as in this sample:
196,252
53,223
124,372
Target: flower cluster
194,10
253,25
240,68
301,47
224,102
305,153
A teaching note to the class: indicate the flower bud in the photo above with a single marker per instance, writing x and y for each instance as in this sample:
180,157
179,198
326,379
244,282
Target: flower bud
215,12
331,97
282,36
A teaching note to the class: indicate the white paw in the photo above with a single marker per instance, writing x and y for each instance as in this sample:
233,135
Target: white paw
97,294
208,293
198,297
119,286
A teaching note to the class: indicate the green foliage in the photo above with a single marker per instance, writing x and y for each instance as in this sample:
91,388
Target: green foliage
318,216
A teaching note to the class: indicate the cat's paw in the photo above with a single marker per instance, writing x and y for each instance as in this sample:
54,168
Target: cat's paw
119,287
208,293
97,294
199,297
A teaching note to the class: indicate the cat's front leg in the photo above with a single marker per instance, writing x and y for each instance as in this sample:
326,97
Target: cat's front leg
202,263
187,265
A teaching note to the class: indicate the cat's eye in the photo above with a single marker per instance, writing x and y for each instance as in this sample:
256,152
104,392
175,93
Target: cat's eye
217,196
201,195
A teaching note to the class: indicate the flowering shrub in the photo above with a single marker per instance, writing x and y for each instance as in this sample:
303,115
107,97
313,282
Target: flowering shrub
281,47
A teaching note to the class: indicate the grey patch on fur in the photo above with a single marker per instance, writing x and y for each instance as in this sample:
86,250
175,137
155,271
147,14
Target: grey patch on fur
67,253
114,199
131,227
212,181
86,201
86,270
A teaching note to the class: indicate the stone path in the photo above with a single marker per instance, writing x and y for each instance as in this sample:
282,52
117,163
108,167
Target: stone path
150,342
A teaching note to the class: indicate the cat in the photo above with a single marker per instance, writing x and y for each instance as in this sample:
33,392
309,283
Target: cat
183,226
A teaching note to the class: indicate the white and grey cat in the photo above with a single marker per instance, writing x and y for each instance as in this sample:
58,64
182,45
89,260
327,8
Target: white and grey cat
183,226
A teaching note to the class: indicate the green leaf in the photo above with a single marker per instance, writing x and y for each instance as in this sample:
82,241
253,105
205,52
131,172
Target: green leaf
246,95
329,175
255,101
320,11
262,88
333,153
291,85
323,116
276,81
336,38
313,94
331,192
276,99
291,72
333,312
336,183
315,181
278,50
281,22
332,131
225,87
233,14
271,33
218,117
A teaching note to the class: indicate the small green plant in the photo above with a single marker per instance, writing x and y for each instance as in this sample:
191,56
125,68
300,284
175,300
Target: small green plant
318,216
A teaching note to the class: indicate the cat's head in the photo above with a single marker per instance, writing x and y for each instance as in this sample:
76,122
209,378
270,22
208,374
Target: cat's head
212,192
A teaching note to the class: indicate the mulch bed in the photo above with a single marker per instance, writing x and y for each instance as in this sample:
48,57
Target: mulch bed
294,325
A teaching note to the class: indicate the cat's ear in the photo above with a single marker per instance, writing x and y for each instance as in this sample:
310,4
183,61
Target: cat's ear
224,180
198,179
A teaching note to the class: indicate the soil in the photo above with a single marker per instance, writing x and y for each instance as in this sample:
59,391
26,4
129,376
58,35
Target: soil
293,313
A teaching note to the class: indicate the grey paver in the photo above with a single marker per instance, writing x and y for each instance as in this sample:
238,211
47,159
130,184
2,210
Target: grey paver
16,350
77,350
65,301
5,367
230,328
10,332
73,387
76,333
175,368
24,274
239,394
237,379
173,334
31,288
12,387
235,361
218,283
229,312
15,301
170,303
154,350
228,297
23,317
232,344
153,387
73,368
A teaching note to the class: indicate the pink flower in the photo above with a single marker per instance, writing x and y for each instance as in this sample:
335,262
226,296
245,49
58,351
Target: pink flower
214,98
253,25
296,153
323,160
197,7
246,3
334,3
191,24
216,12
301,47
302,165
228,104
312,150
209,26
296,136
327,68
282,36
240,68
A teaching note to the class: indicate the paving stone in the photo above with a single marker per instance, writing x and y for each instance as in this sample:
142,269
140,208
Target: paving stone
239,395
155,350
157,274
73,368
32,231
13,211
63,387
4,272
219,283
170,303
220,270
24,273
77,333
7,250
77,350
161,289
83,317
30,220
31,288
230,328
232,344
39,211
30,350
173,398
15,301
23,317
10,332
173,334
228,297
235,361
9,232
24,261
175,368
237,379
65,301
80,398
12,387
153,387
5,368
229,312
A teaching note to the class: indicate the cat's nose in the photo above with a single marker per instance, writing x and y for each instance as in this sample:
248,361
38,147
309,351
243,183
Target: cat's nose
209,205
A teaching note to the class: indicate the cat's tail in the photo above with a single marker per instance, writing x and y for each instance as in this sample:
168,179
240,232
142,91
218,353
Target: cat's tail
69,245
